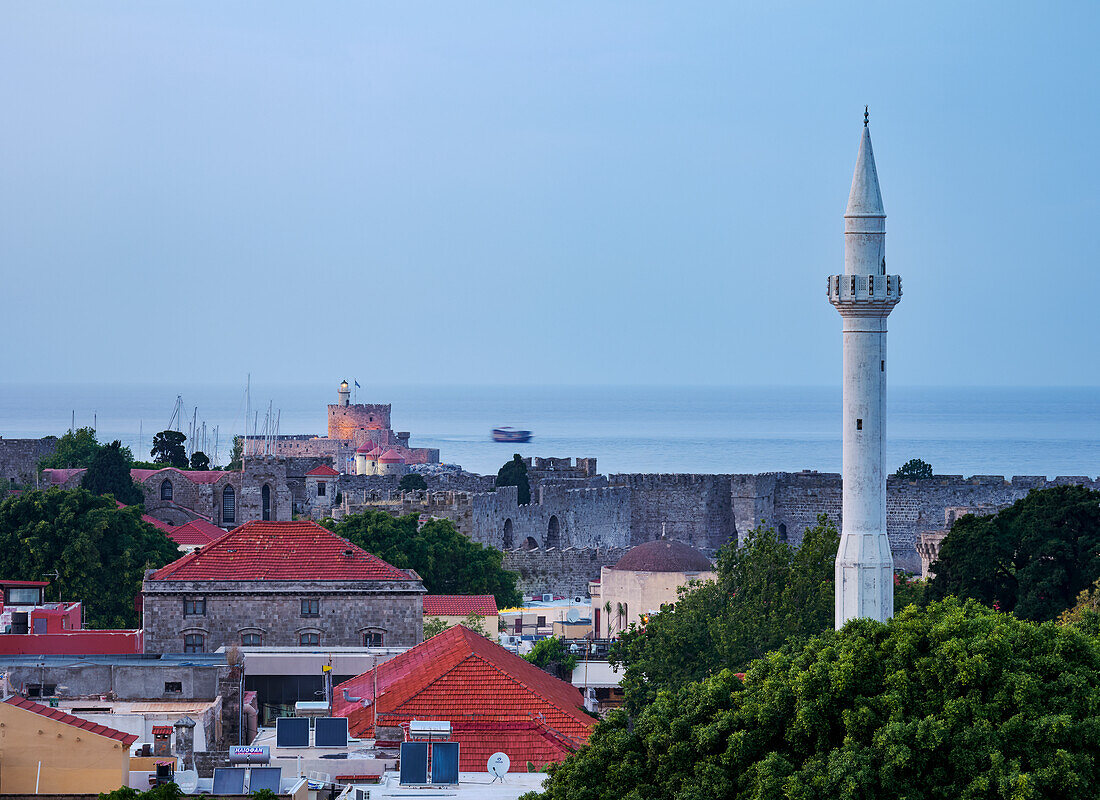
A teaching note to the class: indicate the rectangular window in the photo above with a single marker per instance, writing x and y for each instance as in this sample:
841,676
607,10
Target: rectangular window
541,623
311,607
252,640
320,488
518,626
25,597
372,639
882,366
194,643
194,607
859,424
309,639
41,689
173,687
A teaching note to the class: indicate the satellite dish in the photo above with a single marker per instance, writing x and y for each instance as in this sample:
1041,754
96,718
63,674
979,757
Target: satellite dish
187,780
499,764
573,615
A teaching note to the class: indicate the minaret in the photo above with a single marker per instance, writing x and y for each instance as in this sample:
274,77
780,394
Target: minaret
864,295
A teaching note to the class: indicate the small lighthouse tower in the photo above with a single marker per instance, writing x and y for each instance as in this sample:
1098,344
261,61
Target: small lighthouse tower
864,295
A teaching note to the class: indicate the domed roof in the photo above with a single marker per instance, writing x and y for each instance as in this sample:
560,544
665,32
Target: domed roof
392,457
664,555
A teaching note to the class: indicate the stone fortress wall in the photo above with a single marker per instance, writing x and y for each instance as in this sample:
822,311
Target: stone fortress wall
19,460
579,512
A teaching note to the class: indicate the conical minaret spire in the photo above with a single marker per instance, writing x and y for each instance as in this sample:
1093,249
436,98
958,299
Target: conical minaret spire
864,295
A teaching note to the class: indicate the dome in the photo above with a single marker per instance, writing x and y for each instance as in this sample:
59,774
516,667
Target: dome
392,457
664,556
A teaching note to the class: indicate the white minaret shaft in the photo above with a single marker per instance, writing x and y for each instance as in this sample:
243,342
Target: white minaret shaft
864,295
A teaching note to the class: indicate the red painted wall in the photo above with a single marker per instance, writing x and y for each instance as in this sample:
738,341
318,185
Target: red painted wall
72,644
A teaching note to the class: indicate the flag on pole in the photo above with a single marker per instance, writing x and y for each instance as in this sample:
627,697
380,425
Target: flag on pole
357,386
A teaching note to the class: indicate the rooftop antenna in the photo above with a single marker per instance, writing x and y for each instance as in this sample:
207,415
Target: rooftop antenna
57,577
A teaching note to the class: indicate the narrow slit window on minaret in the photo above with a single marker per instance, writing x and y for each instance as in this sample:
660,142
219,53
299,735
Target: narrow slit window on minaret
859,424
882,366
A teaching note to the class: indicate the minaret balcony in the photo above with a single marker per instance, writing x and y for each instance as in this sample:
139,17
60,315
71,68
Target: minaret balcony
869,295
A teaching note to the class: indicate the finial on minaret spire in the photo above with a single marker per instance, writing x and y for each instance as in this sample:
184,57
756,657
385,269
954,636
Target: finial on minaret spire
866,116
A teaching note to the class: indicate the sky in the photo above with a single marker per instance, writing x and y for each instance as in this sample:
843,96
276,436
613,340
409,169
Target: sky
541,193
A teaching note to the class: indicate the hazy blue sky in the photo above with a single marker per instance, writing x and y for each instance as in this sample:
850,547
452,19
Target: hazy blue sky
541,192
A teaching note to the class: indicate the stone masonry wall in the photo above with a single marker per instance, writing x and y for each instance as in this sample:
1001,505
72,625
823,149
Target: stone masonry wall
696,509
19,460
564,572
273,609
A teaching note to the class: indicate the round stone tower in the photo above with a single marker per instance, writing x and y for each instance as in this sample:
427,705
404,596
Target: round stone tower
864,295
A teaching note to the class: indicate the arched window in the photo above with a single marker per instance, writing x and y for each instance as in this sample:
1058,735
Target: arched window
530,543
166,489
309,639
265,499
509,537
553,532
229,505
782,532
252,640
194,643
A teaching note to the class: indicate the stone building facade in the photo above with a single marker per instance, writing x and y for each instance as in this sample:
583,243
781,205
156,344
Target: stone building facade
19,460
259,491
280,584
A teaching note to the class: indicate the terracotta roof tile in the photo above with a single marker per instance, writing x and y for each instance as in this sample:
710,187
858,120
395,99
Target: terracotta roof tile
277,551
162,730
493,699
68,719
197,531
324,470
459,605
392,457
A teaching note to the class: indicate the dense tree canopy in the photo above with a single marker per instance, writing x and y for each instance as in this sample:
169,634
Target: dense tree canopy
767,593
109,473
447,561
412,482
78,449
514,473
168,449
1032,559
951,701
914,469
200,460
100,551
235,458
551,655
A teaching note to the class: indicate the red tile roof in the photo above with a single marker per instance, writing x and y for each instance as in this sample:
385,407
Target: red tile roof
197,531
459,605
493,699
193,475
56,714
162,730
278,551
325,470
392,457
156,523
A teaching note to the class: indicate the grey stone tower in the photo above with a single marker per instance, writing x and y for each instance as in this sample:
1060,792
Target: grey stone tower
864,295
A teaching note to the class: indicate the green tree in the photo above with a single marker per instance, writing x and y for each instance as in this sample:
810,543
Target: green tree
237,456
1032,559
447,561
411,482
767,593
168,449
514,473
199,460
909,590
100,551
952,701
109,473
914,469
551,655
77,449
434,626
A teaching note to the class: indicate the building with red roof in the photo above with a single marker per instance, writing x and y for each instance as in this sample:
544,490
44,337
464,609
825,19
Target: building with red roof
175,497
454,609
30,625
280,584
493,699
46,750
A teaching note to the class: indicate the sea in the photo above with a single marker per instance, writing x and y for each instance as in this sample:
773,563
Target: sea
700,429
